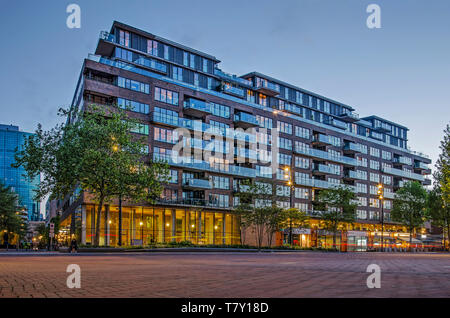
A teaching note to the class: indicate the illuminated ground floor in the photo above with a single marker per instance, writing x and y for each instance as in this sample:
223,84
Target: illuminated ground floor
151,225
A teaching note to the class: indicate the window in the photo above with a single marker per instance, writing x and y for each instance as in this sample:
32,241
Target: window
250,96
221,182
375,177
124,38
374,152
192,60
301,206
177,73
166,96
262,100
335,169
165,135
133,106
363,149
374,203
362,201
283,191
152,47
301,193
219,200
166,52
302,163
302,132
361,214
166,116
140,129
362,162
264,172
386,155
375,165
264,122
173,175
361,188
285,143
301,178
386,180
284,159
185,58
362,175
285,127
205,65
219,125
133,85
220,110
196,81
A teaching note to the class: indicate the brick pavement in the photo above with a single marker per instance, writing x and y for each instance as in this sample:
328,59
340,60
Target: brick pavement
305,274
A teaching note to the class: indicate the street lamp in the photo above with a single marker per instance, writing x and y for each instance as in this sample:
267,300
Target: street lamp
290,182
380,196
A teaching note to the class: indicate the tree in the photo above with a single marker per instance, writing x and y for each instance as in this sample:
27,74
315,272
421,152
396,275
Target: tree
10,220
336,205
97,153
292,218
439,212
275,217
409,206
440,199
256,207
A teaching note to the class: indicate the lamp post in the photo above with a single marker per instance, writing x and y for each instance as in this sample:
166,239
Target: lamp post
380,196
290,182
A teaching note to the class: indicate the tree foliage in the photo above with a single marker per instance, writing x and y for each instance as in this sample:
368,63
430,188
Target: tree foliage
336,206
409,206
11,221
96,153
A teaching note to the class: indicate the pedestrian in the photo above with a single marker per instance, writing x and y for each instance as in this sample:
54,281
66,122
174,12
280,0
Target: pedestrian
73,246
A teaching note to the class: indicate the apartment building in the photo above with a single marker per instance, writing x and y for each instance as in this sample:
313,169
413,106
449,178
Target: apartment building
322,142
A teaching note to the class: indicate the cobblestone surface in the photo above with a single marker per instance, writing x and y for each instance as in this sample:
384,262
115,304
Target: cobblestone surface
305,274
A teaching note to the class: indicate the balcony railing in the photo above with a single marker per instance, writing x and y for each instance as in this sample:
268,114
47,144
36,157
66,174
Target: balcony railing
402,173
402,160
244,118
323,139
198,183
197,105
268,85
232,78
325,156
233,90
421,165
349,116
352,147
194,202
191,163
351,174
106,36
320,168
321,184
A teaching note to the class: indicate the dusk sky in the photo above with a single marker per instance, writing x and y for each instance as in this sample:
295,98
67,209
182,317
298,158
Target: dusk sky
400,72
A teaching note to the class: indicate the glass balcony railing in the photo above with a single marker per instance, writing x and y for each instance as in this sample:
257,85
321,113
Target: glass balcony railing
337,123
325,155
320,168
234,90
232,78
322,139
194,202
351,146
198,105
402,173
402,160
246,118
245,153
388,195
191,163
322,184
198,125
198,183
267,85
106,36
351,174
421,165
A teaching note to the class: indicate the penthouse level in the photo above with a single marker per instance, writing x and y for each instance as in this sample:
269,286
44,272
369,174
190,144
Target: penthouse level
323,142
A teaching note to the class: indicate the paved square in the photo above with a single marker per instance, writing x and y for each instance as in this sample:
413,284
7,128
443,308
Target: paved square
304,274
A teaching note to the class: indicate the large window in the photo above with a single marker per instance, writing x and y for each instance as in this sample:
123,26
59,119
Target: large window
221,182
220,110
264,122
133,106
140,129
177,73
166,96
152,47
133,85
124,38
302,132
165,135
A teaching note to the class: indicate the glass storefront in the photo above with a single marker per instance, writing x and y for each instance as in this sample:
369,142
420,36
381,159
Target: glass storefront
146,225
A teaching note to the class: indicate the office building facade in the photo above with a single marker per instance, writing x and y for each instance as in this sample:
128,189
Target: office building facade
11,138
322,142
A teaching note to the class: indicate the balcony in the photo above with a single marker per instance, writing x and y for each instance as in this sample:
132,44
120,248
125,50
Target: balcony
232,78
106,43
196,107
267,88
388,195
315,183
316,153
426,182
200,165
421,165
193,202
197,184
383,127
349,117
351,148
399,184
402,173
321,140
352,175
336,123
320,169
245,120
402,160
240,152
235,91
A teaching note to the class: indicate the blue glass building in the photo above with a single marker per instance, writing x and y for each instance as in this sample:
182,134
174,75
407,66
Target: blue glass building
11,139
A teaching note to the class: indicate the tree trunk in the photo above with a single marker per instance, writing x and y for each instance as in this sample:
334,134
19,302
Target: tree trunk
448,237
410,240
97,222
334,239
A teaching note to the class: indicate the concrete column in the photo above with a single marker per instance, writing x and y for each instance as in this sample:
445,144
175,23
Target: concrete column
174,219
199,227
224,219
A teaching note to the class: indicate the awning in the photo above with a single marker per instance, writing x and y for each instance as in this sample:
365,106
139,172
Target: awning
413,240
